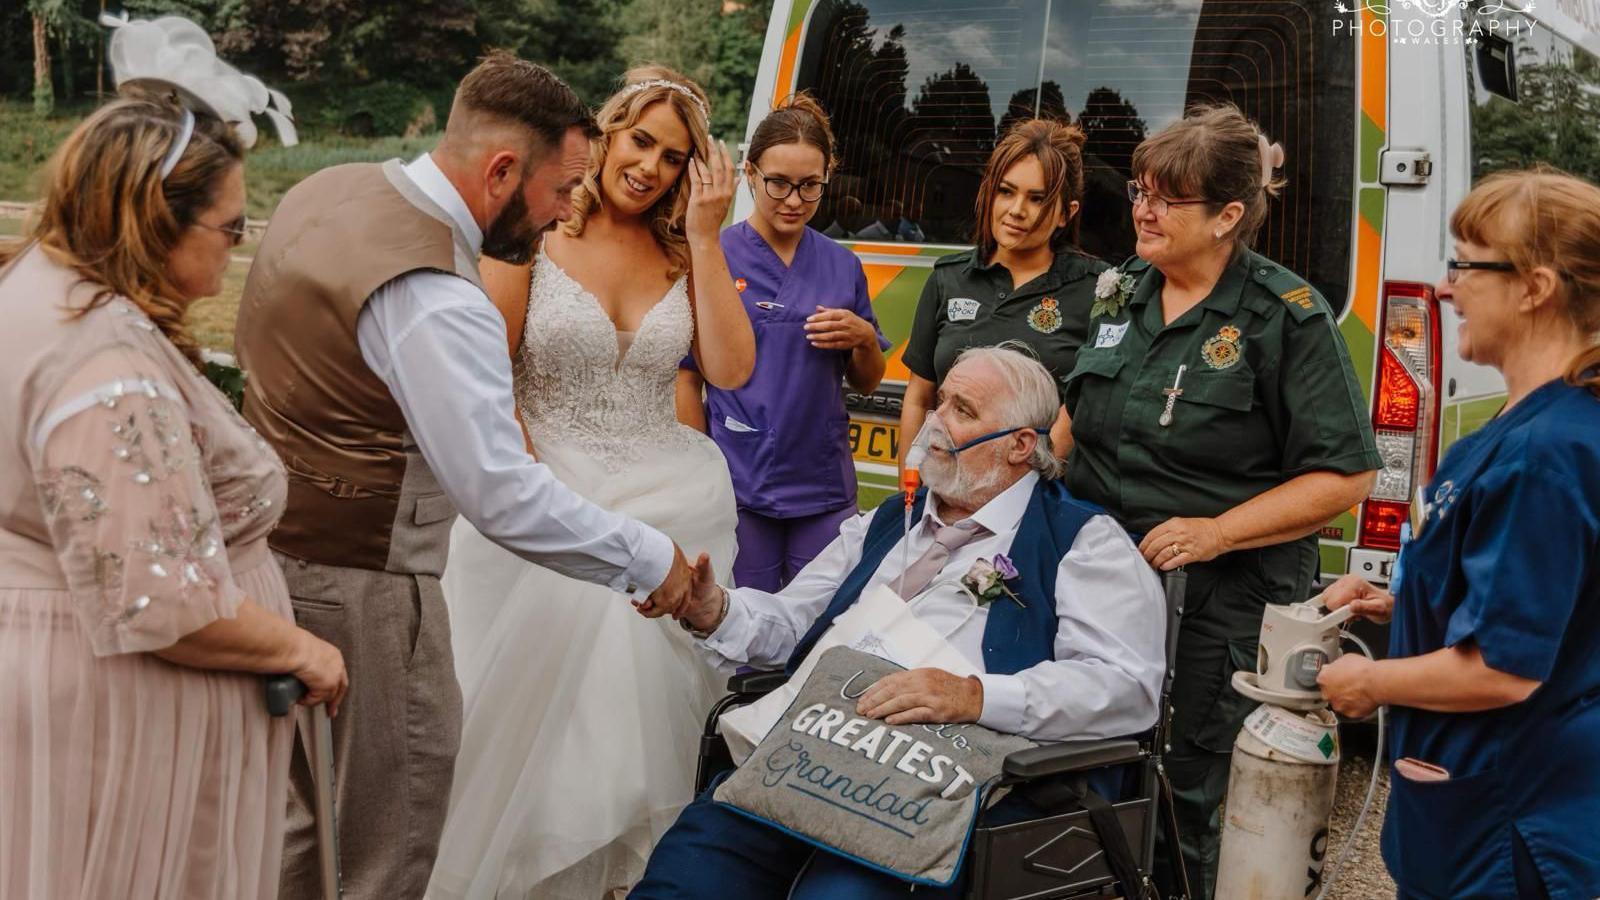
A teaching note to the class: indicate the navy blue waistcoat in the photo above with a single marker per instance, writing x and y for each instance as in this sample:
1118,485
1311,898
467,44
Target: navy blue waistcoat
1014,638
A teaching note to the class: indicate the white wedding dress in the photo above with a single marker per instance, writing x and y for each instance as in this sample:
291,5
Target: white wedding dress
582,717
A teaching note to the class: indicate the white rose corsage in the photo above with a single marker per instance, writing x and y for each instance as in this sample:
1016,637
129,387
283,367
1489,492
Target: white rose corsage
1112,291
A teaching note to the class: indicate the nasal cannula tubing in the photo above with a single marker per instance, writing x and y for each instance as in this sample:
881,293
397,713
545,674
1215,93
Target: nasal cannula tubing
910,481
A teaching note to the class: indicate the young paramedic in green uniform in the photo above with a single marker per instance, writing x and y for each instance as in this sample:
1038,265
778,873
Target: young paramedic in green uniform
1024,281
1215,414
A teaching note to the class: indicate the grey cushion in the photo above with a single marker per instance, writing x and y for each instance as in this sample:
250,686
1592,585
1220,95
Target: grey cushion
900,798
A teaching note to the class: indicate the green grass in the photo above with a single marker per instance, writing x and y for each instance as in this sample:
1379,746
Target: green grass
27,140
272,169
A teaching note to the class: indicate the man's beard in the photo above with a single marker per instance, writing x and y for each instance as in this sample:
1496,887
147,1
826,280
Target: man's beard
511,238
954,482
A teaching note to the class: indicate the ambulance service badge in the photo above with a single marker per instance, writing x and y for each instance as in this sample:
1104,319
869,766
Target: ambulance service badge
1222,351
1046,317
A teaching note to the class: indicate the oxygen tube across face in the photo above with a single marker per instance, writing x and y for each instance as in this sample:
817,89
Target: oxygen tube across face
911,471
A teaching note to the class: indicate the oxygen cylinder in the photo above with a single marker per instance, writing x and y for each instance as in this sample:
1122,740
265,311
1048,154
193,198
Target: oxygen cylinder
1280,794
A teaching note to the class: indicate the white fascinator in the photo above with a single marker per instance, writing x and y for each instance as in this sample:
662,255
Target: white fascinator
174,54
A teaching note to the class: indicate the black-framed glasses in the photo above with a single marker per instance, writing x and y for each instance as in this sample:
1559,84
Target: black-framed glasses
234,229
1157,204
780,188
1454,267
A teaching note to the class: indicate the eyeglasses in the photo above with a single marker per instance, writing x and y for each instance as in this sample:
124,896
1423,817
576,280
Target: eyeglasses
781,188
1157,204
1454,267
234,229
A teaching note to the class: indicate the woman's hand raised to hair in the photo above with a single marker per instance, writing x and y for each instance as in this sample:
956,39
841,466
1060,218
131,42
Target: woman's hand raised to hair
711,183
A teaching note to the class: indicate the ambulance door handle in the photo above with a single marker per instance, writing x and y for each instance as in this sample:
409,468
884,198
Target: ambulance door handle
1398,166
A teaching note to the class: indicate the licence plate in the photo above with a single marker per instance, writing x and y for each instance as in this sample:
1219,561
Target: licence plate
876,442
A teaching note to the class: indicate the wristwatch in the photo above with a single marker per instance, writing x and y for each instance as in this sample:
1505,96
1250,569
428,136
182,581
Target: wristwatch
723,614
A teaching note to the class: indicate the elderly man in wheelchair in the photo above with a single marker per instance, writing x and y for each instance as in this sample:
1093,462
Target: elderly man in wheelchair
1074,661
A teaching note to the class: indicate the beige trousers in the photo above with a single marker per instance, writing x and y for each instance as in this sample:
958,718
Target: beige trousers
396,736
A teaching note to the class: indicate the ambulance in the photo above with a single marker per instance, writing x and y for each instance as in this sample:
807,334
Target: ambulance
1388,112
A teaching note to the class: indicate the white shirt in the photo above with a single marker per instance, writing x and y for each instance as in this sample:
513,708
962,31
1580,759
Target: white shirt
439,344
1105,680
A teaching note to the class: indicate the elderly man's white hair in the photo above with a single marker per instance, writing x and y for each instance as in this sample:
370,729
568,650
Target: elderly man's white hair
1032,400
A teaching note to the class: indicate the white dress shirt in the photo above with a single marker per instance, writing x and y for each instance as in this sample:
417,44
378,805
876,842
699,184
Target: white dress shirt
439,344
1105,679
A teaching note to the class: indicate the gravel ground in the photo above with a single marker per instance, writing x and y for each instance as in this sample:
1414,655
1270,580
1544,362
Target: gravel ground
1363,876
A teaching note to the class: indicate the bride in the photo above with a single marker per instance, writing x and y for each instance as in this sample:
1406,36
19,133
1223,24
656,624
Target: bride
581,716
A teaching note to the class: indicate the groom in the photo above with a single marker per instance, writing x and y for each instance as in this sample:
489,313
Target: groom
378,371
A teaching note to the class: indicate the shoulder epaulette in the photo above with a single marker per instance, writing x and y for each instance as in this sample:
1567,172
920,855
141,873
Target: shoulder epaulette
1299,297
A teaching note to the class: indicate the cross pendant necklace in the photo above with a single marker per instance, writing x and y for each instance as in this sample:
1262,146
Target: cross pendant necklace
1173,393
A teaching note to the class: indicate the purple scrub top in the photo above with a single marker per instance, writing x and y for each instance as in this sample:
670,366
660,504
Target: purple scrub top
786,434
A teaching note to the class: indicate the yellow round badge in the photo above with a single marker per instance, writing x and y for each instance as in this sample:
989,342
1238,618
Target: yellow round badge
1221,351
1045,318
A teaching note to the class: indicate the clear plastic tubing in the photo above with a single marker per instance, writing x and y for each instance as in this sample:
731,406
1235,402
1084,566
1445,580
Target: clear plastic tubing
910,481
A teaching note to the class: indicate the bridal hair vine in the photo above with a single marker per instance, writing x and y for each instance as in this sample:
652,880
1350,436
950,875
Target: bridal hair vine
172,55
638,86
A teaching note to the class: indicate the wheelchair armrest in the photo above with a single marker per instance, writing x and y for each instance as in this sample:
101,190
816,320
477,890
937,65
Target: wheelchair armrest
1055,759
756,683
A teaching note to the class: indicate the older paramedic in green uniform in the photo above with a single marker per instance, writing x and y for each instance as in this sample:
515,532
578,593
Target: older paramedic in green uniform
1216,415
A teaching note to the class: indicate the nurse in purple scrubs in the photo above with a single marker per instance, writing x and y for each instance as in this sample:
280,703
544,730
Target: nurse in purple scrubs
786,432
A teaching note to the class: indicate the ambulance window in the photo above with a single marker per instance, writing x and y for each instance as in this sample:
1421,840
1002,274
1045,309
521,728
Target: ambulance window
1128,70
920,89
1556,113
915,89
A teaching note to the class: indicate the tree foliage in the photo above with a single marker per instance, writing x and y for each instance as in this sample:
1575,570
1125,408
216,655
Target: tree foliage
380,66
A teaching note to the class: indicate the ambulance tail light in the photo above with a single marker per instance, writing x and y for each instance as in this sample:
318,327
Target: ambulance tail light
1405,408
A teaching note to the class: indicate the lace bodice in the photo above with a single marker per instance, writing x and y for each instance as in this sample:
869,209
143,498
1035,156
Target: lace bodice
576,384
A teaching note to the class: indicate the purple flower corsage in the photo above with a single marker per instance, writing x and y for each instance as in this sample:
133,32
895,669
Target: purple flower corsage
987,580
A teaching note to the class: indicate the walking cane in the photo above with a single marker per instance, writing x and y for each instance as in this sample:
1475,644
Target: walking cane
283,691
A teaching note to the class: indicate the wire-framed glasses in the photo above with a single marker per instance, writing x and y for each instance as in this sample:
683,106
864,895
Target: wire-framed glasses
1157,203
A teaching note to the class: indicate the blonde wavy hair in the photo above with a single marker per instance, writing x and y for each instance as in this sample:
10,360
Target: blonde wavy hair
109,216
622,112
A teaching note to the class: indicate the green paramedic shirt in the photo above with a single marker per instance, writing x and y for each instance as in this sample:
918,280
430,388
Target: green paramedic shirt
1268,393
965,304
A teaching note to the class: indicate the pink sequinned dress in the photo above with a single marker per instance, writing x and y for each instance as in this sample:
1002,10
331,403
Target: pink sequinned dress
134,509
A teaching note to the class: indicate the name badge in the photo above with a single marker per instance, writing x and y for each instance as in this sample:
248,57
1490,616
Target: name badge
962,309
1111,335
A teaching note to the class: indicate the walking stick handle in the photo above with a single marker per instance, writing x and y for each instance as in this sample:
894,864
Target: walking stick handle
283,692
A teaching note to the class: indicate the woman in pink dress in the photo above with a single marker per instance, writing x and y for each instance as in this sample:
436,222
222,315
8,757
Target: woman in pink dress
138,603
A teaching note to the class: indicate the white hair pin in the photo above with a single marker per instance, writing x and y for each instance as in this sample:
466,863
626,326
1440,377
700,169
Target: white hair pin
638,86
1271,158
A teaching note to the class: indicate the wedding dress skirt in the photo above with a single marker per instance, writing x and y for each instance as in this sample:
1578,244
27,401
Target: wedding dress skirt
582,717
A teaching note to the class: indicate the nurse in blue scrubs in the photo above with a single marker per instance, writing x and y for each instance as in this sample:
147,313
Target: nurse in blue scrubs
1493,675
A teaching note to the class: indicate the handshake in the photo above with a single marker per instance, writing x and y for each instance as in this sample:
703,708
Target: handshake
689,594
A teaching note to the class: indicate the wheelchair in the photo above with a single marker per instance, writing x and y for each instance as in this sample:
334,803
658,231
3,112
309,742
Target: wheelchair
1084,846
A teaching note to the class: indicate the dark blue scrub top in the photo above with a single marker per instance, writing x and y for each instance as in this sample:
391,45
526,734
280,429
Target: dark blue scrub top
1507,556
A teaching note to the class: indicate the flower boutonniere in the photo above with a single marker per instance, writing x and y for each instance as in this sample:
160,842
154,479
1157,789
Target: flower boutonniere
1112,291
987,580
